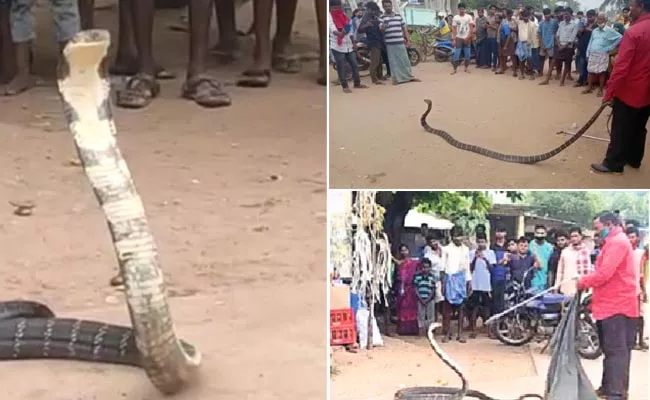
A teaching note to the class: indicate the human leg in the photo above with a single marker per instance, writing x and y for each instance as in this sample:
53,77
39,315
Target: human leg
351,60
467,50
22,33
375,65
227,47
66,20
283,60
623,119
446,321
339,59
616,356
637,139
87,14
7,57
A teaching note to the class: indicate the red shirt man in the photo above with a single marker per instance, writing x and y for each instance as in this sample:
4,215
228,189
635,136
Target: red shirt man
614,280
627,90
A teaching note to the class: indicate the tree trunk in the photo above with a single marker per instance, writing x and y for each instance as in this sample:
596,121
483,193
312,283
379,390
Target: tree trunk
85,93
396,211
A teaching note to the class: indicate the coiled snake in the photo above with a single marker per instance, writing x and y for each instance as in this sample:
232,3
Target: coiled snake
29,330
511,158
447,393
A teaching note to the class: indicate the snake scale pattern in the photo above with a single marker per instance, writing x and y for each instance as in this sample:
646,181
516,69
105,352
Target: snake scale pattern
443,392
29,330
511,158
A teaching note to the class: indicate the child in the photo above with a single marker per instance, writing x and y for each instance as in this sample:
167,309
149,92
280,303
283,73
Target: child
23,32
425,287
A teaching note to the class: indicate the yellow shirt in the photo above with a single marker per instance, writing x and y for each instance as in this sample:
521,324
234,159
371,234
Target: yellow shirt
445,29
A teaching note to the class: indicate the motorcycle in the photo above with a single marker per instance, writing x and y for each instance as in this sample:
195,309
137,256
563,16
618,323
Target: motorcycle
362,54
540,317
443,51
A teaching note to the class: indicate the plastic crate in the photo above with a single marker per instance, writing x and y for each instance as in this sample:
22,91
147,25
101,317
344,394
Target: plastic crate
342,317
342,335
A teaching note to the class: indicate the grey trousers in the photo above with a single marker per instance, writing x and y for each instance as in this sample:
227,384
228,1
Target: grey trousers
23,24
426,314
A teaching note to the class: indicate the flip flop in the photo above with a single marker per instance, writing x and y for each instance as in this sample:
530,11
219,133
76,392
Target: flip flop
255,79
205,91
140,90
287,63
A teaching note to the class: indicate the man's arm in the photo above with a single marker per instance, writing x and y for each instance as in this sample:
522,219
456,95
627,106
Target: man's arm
610,260
621,67
407,38
559,274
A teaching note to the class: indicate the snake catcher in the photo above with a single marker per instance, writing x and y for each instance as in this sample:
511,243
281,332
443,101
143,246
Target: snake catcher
30,330
565,380
511,158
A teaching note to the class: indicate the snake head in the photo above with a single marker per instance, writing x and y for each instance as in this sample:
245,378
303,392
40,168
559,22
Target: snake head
433,326
428,102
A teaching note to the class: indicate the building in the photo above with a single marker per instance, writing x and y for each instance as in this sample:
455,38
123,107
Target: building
519,220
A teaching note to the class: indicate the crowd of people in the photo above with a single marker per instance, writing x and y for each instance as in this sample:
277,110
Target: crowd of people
383,33
470,281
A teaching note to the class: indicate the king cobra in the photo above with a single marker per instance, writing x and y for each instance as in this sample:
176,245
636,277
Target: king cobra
32,331
443,392
511,158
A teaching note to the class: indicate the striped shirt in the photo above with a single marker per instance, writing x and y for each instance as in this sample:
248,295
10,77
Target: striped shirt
393,31
425,285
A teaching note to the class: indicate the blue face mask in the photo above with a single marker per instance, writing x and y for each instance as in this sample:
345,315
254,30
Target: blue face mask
604,233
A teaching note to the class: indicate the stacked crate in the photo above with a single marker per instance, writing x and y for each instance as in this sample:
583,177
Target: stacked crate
342,327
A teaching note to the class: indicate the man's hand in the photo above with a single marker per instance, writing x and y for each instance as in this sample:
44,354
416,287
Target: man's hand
607,98
407,43
453,42
644,297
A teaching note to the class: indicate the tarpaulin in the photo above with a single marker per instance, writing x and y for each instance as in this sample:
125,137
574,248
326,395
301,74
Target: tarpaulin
566,379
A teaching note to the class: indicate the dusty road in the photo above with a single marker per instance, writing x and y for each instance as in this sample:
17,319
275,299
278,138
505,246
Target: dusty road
236,200
500,371
376,140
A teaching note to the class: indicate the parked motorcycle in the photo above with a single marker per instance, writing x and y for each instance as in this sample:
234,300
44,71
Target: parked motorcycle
363,56
443,51
540,317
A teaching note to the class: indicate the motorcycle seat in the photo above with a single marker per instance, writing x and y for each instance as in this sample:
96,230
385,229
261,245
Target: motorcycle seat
553,298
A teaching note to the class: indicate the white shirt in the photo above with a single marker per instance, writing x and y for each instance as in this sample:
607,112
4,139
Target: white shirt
462,25
346,44
456,259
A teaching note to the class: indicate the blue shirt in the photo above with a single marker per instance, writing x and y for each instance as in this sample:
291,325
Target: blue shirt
543,252
505,29
547,30
603,40
481,273
499,271
518,266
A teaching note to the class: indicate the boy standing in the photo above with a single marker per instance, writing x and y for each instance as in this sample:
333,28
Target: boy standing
481,298
462,33
425,287
546,35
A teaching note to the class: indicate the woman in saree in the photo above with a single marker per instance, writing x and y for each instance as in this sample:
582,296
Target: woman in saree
406,298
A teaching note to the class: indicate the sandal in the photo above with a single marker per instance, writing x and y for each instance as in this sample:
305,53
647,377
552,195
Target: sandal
127,70
205,91
255,78
117,280
139,91
286,63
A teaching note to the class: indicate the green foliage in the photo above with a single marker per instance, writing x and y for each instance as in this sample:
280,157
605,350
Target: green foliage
466,209
617,5
581,207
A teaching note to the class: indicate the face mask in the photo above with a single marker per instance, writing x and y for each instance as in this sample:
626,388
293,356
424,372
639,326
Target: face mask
540,238
604,233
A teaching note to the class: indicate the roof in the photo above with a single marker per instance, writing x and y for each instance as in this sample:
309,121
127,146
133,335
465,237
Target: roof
415,219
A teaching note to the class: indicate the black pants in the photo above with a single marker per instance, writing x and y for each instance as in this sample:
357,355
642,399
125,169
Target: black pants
627,139
498,291
384,58
343,61
616,335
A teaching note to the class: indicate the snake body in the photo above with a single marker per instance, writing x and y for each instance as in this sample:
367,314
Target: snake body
511,158
443,392
168,362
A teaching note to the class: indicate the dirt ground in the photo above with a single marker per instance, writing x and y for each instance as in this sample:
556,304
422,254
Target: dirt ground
376,140
236,200
500,371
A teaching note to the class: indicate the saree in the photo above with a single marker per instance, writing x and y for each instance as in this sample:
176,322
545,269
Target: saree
407,299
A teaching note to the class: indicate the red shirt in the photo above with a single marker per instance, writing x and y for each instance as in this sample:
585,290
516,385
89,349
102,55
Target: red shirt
630,79
614,280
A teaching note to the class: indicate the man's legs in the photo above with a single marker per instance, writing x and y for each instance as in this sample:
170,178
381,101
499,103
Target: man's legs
375,65
66,20
87,14
616,361
481,57
493,57
446,321
7,57
624,118
455,56
384,57
351,59
22,33
467,49
341,68
637,136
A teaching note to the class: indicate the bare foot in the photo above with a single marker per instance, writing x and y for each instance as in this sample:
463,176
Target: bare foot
18,84
453,72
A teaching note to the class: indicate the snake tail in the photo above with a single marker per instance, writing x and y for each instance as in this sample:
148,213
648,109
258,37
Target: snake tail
85,94
24,309
511,158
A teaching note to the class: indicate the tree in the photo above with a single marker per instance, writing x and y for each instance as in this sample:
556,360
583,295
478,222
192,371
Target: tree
467,208
582,207
579,207
613,4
